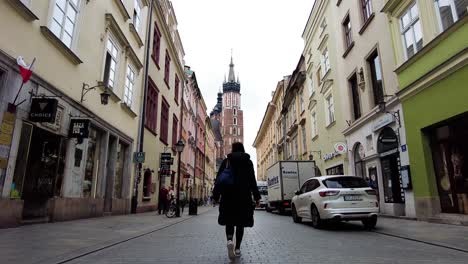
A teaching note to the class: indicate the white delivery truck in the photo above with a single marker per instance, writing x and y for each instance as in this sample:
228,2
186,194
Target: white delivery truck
284,179
263,189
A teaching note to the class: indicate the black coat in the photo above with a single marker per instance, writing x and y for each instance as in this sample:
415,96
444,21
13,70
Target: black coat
236,206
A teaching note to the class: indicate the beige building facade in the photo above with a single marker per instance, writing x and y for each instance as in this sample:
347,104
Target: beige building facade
327,120
365,76
166,80
68,154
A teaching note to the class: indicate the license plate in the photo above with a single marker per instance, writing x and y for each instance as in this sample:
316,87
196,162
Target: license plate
352,198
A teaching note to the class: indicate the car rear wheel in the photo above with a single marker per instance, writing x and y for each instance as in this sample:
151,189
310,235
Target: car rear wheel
315,217
296,218
370,223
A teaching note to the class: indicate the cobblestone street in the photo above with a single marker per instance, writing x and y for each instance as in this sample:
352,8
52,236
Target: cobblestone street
274,239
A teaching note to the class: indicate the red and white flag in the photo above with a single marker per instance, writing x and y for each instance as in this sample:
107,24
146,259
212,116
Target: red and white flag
25,70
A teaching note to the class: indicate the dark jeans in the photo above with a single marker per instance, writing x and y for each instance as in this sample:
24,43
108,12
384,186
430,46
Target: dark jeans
239,234
162,206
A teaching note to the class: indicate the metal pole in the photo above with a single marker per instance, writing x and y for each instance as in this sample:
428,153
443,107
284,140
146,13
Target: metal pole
141,133
178,188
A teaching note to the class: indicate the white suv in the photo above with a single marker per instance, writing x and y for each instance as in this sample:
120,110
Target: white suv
335,198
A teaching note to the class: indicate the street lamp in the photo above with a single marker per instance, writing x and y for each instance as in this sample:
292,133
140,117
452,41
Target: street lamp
179,148
104,95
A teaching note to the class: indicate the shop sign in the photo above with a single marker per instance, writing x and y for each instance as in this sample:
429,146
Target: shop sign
341,147
166,158
139,157
79,128
381,122
330,156
43,110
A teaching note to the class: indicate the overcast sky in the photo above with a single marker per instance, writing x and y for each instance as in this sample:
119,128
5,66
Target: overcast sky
265,36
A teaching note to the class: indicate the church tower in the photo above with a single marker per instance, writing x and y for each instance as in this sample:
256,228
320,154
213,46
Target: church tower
232,115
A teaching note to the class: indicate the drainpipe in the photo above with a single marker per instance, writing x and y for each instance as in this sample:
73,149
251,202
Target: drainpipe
141,128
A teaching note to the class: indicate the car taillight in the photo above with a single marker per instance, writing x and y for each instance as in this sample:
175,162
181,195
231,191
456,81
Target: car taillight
286,203
371,192
328,193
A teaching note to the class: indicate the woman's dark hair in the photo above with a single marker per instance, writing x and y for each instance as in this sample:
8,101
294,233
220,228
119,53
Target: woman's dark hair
237,147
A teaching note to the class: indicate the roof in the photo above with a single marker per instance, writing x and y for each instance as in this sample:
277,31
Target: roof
216,125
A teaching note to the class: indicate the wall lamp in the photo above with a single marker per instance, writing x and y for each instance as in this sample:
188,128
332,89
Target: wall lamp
104,95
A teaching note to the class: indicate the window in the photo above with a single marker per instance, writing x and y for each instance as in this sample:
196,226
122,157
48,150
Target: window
450,11
359,166
296,148
314,124
347,32
376,75
312,185
311,84
337,170
304,139
318,74
301,99
64,20
366,6
411,31
175,135
355,97
235,121
323,25
110,67
137,16
330,110
129,83
147,183
234,131
235,111
151,106
156,44
164,120
325,62
167,68
176,88
345,182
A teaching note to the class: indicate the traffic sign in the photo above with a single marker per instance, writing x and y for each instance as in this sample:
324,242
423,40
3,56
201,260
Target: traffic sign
139,157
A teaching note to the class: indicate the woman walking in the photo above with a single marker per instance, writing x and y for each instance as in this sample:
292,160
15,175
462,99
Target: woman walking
236,207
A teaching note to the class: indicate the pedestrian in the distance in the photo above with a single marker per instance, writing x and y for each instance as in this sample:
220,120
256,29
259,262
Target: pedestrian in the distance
236,207
183,200
162,204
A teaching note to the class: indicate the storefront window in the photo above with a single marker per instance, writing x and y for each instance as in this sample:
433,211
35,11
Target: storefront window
449,151
92,165
358,163
119,171
337,170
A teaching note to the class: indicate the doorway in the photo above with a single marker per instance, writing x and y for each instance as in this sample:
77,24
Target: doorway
387,147
449,144
44,172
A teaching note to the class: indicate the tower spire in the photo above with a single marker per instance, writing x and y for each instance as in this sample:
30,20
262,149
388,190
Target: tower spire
232,77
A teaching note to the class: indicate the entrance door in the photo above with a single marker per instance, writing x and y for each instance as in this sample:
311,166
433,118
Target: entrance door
391,179
44,172
387,147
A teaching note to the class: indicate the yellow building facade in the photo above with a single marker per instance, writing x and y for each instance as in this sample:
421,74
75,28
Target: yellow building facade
76,120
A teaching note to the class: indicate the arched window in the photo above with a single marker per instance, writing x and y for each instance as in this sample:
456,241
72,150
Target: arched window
234,131
235,111
359,154
235,121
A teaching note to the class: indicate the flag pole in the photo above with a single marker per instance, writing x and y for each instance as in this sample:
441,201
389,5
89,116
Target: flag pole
22,82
